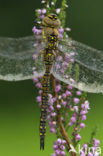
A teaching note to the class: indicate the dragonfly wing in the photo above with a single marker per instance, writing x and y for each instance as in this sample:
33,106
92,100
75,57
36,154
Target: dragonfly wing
87,69
16,58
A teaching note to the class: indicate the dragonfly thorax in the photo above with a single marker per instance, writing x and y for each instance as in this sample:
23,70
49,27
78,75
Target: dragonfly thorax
51,21
50,24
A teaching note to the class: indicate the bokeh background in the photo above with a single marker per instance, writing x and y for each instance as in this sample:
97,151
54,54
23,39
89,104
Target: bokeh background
19,112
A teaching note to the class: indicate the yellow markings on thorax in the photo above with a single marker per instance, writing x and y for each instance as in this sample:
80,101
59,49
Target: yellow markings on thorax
52,17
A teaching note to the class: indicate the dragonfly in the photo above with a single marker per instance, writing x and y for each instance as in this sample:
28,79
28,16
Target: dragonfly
16,63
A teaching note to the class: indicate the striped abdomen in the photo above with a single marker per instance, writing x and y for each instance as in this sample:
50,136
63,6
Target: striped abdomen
48,59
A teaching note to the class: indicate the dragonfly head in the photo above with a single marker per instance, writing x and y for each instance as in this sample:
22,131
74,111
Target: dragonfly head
51,20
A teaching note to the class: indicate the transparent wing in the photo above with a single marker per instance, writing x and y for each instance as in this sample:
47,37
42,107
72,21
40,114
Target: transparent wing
87,69
16,62
16,58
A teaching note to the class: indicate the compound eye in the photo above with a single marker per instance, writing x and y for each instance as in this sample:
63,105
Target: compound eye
55,17
52,17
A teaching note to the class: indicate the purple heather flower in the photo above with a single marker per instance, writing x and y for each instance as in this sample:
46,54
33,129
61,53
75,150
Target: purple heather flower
78,137
58,88
82,153
83,112
76,100
72,60
64,65
85,106
39,11
59,58
59,141
61,30
70,123
34,29
53,114
62,71
70,87
78,92
57,66
55,147
43,11
60,36
42,16
58,10
57,152
38,85
54,99
67,58
51,108
63,142
85,146
54,154
73,119
83,117
50,96
48,117
52,130
82,125
50,123
72,80
68,93
74,115
62,153
62,147
35,80
96,142
40,91
58,106
66,76
50,101
86,103
75,108
35,56
64,95
38,98
72,53
39,31
64,103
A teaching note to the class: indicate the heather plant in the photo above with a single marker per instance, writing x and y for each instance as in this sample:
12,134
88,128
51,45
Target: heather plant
67,106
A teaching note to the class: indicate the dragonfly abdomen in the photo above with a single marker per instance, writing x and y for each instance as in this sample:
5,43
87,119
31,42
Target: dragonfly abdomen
45,92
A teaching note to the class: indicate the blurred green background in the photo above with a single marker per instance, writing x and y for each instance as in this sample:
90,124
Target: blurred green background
19,113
